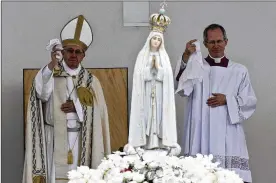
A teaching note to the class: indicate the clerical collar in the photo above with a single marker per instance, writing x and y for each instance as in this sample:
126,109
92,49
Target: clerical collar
220,62
71,72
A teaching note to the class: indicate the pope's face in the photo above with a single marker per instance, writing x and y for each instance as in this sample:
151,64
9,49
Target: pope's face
73,55
155,42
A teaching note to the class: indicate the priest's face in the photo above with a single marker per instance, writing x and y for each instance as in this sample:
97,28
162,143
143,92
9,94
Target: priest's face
215,43
73,55
155,43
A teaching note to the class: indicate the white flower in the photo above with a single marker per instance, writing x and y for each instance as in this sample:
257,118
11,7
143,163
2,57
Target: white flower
128,149
117,179
81,180
172,161
123,165
115,158
96,181
187,180
210,177
73,181
161,169
105,166
149,175
112,173
94,176
177,172
131,159
74,175
128,175
138,177
83,169
168,172
159,173
227,176
140,151
170,180
139,165
157,180
153,165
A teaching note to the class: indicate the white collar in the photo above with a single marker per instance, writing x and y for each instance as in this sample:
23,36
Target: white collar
71,72
217,60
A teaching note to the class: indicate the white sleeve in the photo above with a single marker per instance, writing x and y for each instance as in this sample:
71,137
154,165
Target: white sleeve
242,105
44,83
181,65
147,73
181,88
78,108
160,74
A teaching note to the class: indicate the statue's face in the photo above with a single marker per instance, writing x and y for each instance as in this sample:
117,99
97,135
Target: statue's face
155,42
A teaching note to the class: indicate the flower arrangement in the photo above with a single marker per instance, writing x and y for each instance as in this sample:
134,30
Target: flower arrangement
117,168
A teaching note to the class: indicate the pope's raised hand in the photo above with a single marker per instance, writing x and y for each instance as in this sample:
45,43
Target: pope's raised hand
55,57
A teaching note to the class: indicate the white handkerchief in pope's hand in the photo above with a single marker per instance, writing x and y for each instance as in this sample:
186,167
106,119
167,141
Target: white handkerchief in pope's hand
58,46
52,43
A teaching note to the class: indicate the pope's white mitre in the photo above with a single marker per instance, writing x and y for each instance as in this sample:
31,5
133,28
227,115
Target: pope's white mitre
77,32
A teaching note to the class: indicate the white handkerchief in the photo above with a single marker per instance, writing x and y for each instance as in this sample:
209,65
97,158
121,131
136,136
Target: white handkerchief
194,70
55,43
195,65
52,43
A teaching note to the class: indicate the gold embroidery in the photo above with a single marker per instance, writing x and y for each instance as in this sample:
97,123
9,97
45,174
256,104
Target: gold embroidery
39,179
86,97
79,27
70,157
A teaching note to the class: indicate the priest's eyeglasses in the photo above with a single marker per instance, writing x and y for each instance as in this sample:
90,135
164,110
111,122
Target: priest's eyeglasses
213,42
71,51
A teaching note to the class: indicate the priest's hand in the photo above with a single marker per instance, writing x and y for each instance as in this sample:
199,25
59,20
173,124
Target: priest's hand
68,107
189,50
216,100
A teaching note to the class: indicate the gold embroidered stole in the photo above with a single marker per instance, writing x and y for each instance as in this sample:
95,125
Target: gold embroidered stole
60,128
84,80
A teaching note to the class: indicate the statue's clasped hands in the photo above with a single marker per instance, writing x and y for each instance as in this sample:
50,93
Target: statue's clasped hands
154,63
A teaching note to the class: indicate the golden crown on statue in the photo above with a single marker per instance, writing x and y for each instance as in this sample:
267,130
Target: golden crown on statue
159,21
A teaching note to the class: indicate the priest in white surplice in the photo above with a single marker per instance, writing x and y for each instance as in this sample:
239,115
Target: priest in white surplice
152,116
220,99
67,119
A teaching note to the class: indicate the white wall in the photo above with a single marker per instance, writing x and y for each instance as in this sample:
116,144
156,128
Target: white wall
251,27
